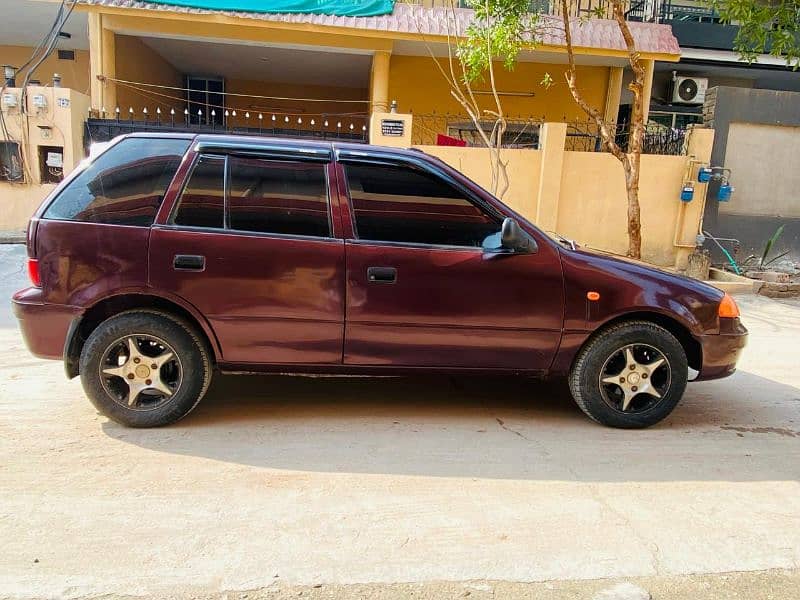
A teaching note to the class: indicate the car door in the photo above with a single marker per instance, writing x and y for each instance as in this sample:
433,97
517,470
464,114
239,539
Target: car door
421,290
250,241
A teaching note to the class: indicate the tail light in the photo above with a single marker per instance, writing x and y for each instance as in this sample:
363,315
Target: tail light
33,272
727,307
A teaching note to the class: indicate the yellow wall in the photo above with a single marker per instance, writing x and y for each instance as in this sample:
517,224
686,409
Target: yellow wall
419,87
136,61
20,201
74,73
475,163
593,205
587,196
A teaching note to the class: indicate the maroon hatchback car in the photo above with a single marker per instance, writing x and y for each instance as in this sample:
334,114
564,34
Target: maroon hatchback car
169,256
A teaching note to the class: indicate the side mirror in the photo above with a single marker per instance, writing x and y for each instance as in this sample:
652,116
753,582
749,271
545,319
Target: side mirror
513,238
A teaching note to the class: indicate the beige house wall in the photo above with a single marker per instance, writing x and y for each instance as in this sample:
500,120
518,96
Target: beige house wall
20,201
475,163
582,196
765,170
60,124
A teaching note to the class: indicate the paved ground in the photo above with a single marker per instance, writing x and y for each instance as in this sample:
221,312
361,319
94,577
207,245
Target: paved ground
283,484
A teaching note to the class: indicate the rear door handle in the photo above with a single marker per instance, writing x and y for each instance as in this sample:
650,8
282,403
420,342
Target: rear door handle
189,262
381,274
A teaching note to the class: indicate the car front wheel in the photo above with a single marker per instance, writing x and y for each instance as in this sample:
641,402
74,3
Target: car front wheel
630,375
144,369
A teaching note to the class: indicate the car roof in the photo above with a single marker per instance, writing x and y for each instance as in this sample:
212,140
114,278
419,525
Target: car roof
287,142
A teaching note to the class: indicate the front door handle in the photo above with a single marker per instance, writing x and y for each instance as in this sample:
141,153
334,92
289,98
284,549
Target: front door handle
381,274
189,262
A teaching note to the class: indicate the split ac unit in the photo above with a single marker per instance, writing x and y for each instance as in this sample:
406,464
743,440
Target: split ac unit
689,90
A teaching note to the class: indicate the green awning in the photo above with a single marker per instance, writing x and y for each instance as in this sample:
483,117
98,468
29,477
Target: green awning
342,8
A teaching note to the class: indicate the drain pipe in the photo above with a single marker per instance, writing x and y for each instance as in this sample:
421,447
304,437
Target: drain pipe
725,252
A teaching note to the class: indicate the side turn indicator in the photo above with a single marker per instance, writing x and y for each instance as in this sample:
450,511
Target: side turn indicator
728,308
593,296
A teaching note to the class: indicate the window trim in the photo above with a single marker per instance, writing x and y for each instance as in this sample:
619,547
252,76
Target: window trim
417,165
226,228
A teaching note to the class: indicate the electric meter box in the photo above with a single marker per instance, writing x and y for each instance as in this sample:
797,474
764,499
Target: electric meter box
10,100
39,101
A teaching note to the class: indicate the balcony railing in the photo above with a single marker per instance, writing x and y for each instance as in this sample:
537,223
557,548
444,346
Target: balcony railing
649,11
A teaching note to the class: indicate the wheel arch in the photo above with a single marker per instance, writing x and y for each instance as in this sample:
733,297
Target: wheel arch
692,348
82,327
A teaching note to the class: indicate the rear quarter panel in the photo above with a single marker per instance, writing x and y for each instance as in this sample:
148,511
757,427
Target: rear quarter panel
81,263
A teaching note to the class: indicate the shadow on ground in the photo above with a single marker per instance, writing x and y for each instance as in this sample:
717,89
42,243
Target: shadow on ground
740,429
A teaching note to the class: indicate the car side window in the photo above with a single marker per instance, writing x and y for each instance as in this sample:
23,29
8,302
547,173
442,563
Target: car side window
285,197
124,185
404,204
262,196
202,203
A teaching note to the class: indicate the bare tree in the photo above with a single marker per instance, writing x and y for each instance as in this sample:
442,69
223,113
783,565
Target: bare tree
510,27
490,124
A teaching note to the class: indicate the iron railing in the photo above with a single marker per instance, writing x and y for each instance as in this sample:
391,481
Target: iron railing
326,127
458,129
583,136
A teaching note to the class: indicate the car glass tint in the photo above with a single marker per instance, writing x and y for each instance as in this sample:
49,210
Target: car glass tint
202,203
284,197
401,204
123,186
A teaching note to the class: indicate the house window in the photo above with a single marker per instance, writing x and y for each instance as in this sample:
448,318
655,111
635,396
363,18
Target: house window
204,95
674,120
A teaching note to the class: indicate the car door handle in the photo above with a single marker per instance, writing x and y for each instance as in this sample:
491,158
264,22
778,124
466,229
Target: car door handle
189,262
381,274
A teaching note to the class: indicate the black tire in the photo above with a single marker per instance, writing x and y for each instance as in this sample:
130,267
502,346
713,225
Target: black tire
191,357
603,401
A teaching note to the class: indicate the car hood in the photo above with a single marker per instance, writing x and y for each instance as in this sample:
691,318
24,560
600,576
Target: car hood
636,269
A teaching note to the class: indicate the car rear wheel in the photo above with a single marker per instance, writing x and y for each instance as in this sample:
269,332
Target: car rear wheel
631,375
144,369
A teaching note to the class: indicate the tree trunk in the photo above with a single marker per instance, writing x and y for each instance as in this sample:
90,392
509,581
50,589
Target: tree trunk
631,168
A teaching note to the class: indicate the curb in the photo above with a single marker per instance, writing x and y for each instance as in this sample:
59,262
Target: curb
12,237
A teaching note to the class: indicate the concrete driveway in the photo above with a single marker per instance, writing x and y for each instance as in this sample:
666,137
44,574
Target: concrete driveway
274,483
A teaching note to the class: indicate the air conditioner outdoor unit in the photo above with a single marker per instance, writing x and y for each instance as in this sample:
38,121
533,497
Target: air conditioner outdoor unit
689,90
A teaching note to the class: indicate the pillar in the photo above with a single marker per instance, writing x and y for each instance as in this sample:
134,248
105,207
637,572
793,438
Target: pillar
102,62
613,94
552,137
379,81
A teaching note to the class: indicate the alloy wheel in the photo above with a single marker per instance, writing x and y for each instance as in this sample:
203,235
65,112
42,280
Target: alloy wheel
141,372
635,378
